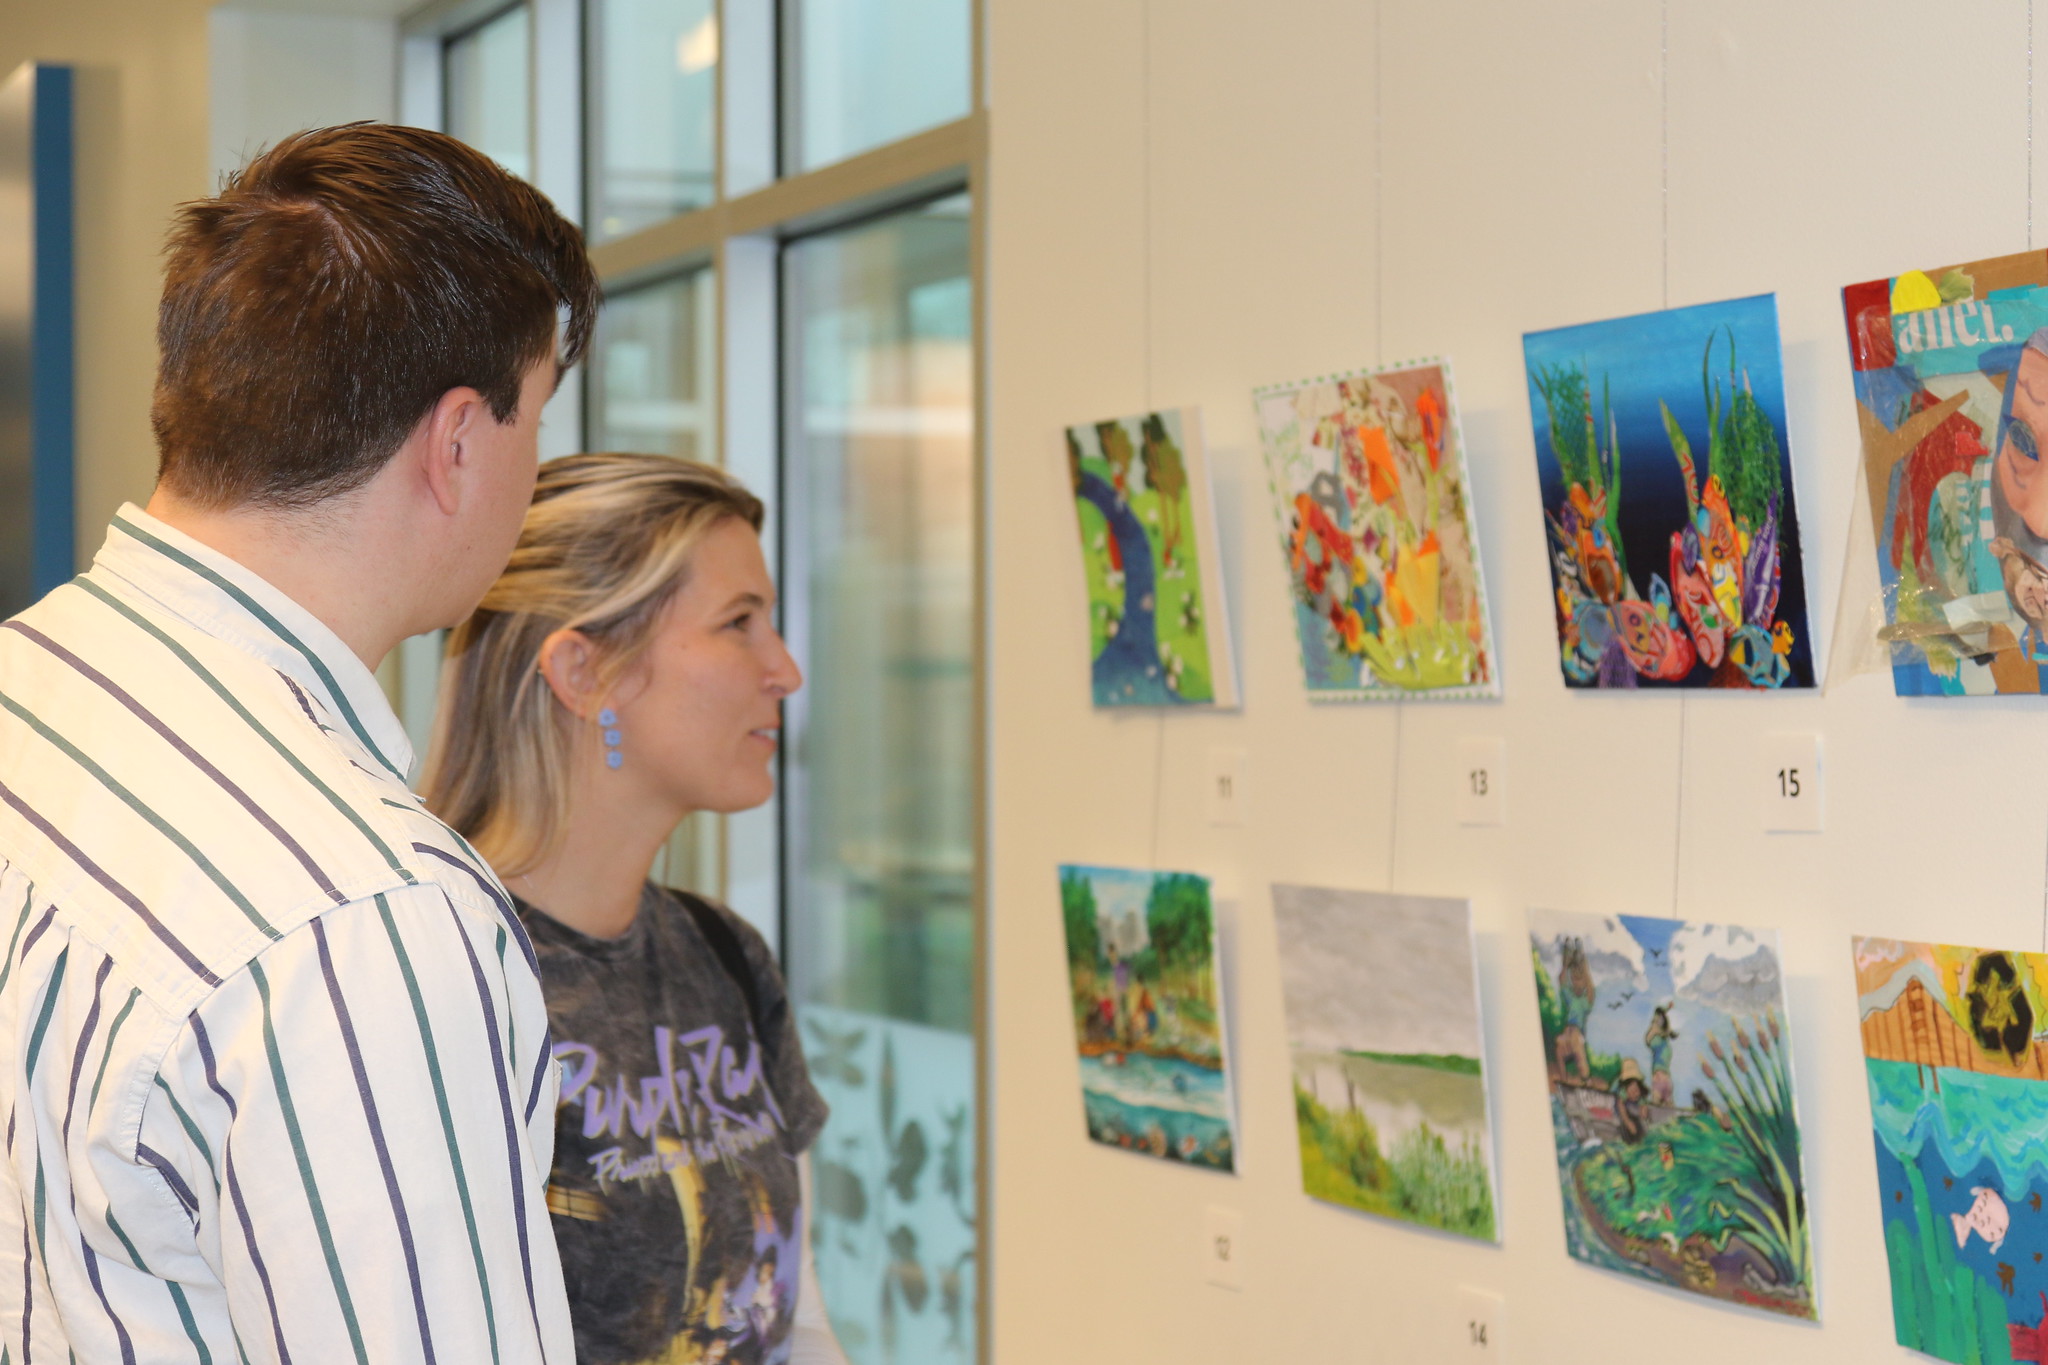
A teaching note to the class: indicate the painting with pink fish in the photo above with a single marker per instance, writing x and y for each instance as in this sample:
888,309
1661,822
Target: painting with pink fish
1958,1074
1666,471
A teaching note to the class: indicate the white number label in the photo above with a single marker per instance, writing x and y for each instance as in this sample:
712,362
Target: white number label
1484,1315
1791,786
1482,780
1226,786
1223,1247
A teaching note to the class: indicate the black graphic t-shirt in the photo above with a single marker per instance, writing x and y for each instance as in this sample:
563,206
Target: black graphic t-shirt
674,1192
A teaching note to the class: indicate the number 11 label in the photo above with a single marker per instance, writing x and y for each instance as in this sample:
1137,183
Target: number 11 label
1788,779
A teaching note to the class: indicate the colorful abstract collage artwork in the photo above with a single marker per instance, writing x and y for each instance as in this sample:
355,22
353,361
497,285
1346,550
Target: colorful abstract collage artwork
1678,1146
1158,624
1148,1014
1951,371
1389,1075
1958,1100
1375,510
1667,492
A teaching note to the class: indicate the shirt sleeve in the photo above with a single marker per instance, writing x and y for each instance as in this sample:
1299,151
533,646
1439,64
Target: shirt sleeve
804,1110
351,1126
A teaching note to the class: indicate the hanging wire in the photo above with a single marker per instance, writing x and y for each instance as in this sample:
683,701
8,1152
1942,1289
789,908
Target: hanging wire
1394,803
1145,303
1379,236
1379,357
1664,141
2030,247
1664,199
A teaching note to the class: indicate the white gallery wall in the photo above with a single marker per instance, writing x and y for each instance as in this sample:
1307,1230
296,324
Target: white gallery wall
141,130
276,66
1190,198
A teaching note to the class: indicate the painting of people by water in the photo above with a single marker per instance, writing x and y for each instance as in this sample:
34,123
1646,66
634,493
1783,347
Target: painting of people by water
1957,1060
1148,1016
1376,523
1666,473
1384,1033
1158,625
1671,1103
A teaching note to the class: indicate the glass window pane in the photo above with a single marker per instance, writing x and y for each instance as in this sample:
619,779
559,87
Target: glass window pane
653,82
871,71
652,380
879,551
487,89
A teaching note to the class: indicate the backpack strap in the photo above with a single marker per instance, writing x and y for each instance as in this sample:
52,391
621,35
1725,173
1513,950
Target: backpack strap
725,944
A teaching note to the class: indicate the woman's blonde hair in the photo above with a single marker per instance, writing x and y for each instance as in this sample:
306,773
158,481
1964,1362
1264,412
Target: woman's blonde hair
605,547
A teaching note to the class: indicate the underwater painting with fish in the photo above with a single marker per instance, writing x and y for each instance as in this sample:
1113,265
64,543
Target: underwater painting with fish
1958,1098
1667,496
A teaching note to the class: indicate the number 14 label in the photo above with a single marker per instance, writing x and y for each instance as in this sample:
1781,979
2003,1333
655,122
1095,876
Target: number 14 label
1789,782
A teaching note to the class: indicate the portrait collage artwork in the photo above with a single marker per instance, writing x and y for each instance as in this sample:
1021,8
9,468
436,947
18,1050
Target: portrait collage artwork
1951,375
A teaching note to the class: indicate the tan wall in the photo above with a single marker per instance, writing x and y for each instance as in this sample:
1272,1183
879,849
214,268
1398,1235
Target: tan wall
1186,202
142,139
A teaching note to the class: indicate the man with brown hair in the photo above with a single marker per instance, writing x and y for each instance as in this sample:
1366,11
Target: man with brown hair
273,1053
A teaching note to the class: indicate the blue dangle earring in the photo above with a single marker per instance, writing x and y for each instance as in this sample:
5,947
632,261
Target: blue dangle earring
609,719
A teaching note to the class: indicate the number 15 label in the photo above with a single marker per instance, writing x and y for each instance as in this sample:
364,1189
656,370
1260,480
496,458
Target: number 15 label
1789,782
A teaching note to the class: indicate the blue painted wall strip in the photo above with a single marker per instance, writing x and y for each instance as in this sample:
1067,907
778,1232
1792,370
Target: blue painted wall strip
52,390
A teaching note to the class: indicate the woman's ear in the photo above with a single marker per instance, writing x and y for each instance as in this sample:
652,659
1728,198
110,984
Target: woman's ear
568,660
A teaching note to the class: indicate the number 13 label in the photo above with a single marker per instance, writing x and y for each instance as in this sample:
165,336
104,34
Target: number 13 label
1482,780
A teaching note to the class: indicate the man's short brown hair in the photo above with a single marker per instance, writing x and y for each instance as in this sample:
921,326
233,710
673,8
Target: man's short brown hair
317,308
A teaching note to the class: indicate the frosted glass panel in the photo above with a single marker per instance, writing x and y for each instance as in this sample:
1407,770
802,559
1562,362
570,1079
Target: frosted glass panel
893,1188
879,546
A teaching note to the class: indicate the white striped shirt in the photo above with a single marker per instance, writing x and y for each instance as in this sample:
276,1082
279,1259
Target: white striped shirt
274,1062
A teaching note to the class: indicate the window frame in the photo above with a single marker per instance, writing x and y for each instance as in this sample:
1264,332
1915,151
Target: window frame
470,29
588,30
760,206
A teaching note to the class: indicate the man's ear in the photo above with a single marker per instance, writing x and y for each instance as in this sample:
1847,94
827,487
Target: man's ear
568,660
457,416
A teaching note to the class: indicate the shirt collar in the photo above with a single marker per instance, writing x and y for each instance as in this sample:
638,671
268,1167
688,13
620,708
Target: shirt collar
224,599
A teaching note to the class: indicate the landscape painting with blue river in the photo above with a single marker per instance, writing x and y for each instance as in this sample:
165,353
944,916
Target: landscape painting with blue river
1958,1076
1141,967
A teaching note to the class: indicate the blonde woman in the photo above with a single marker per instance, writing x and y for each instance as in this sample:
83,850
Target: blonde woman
622,673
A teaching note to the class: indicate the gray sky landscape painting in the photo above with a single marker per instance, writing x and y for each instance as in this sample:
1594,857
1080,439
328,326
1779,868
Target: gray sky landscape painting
1363,971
